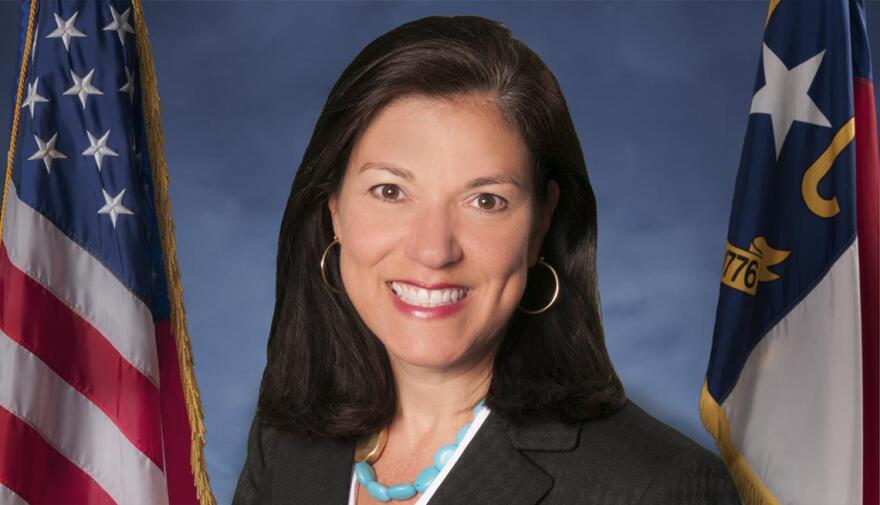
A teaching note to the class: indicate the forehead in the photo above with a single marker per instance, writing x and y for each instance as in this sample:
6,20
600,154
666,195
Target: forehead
463,135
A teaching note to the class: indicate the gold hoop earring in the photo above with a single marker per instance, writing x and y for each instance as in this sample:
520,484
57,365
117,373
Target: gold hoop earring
323,257
555,291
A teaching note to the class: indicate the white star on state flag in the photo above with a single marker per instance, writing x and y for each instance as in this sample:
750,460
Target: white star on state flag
82,87
128,87
113,206
99,148
33,98
66,30
784,96
47,152
120,24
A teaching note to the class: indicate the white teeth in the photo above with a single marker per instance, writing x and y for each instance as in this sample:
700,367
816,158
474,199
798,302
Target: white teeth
427,297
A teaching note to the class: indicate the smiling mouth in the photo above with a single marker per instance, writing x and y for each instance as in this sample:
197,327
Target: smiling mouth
422,297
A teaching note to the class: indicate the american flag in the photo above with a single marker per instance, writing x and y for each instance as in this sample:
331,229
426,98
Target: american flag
791,393
93,405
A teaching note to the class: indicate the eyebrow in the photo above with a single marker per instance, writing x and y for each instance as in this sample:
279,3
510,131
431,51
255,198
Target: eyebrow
406,174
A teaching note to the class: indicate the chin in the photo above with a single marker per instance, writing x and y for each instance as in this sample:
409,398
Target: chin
425,354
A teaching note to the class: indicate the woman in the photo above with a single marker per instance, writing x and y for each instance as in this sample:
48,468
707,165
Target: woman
437,332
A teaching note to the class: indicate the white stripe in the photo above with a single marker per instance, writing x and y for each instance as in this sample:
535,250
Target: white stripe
76,428
796,410
40,250
8,497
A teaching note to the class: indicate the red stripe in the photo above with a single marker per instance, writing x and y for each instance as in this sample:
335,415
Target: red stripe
868,226
76,351
175,423
34,470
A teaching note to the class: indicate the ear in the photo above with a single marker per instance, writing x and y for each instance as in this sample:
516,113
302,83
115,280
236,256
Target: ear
543,221
333,205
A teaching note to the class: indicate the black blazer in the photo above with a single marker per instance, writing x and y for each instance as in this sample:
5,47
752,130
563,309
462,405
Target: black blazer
627,458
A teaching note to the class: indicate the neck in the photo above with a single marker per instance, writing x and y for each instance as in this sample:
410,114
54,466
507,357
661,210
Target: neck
432,400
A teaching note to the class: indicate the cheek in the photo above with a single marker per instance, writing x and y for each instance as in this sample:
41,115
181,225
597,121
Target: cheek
501,255
367,239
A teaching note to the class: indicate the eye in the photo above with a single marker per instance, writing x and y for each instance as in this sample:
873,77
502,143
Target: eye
387,192
488,202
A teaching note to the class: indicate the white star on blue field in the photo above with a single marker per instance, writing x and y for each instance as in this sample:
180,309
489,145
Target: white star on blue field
785,97
660,93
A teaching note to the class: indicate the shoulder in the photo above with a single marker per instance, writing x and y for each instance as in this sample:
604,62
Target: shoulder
635,458
280,464
633,436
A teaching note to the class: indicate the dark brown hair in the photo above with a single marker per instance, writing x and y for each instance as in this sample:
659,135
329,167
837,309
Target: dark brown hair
327,374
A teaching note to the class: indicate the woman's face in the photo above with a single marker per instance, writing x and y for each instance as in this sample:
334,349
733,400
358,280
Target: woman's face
438,226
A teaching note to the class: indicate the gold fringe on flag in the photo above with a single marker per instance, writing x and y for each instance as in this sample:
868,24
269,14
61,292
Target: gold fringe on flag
156,146
16,112
751,489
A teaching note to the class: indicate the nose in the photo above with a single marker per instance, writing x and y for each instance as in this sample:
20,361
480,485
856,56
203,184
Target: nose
432,239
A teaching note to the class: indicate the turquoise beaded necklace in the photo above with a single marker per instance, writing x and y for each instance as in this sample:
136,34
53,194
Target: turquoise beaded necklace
367,476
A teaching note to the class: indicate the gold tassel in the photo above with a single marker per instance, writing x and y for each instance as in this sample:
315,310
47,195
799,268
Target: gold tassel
751,489
153,125
16,113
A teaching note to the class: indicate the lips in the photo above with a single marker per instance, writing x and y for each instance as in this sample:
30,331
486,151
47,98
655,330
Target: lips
427,303
427,298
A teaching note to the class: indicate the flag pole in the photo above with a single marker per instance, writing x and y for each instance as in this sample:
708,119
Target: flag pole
155,142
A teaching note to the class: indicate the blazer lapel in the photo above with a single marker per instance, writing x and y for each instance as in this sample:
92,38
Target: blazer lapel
493,470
